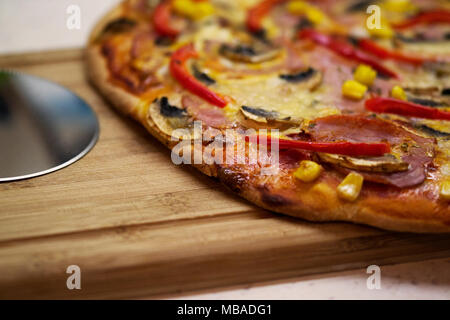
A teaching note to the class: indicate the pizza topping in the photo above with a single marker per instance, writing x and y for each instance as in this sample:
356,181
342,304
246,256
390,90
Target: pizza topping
256,53
170,111
167,117
359,5
350,187
385,164
265,116
179,71
373,48
193,9
425,17
119,25
259,115
428,102
162,19
365,74
345,50
340,147
445,190
311,12
415,150
299,76
257,13
405,108
308,171
384,31
398,93
353,89
203,77
429,131
441,68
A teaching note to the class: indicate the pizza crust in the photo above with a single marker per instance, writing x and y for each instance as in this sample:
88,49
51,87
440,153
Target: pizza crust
283,194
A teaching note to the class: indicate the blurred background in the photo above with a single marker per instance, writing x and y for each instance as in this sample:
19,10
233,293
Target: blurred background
34,25
39,25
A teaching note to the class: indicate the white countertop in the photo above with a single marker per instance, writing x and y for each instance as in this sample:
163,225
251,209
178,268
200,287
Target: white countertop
33,25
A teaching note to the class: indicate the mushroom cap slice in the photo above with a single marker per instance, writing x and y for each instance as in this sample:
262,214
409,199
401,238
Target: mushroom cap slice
167,118
265,116
385,164
256,53
308,78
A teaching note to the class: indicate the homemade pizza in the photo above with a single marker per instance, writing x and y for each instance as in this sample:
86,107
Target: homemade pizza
324,110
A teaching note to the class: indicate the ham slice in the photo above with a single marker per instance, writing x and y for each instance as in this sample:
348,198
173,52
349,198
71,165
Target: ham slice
418,151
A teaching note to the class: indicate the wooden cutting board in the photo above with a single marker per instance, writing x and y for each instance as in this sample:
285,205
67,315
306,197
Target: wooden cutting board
137,225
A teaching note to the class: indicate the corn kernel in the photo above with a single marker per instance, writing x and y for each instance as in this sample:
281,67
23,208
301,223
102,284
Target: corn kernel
353,89
365,74
193,9
398,5
297,7
398,93
384,31
350,187
313,14
445,190
308,171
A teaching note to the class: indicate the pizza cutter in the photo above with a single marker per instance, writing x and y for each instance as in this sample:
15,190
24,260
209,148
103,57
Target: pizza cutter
44,127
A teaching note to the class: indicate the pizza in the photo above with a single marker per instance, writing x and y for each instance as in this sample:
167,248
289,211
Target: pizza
323,110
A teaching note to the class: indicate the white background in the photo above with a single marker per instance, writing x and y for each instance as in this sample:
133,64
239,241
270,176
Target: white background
34,25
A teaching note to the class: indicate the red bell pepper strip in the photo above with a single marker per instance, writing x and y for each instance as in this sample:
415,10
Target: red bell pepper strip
405,108
256,14
426,17
345,50
162,19
374,48
354,149
179,71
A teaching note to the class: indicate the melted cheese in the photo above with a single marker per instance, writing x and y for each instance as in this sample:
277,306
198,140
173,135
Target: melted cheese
274,94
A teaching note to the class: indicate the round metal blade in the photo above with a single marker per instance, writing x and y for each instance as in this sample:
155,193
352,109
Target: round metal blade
43,127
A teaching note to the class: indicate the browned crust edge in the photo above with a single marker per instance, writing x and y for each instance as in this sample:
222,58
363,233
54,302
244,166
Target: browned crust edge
351,212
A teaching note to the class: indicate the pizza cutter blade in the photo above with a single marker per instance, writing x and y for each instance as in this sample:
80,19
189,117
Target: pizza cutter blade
44,127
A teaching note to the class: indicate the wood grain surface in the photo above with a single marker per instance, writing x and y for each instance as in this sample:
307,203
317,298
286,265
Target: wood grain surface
137,225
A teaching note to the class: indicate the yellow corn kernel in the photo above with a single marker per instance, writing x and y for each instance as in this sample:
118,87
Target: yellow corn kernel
350,187
384,31
313,14
308,171
398,5
192,9
398,93
445,190
297,7
365,74
353,89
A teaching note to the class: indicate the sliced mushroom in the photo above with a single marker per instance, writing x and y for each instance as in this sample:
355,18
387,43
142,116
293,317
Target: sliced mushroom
167,117
258,114
429,102
440,68
201,76
359,5
265,116
384,164
119,25
431,131
255,53
419,38
432,96
309,78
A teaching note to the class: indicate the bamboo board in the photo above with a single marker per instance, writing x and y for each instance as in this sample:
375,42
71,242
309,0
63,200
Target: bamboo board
137,225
